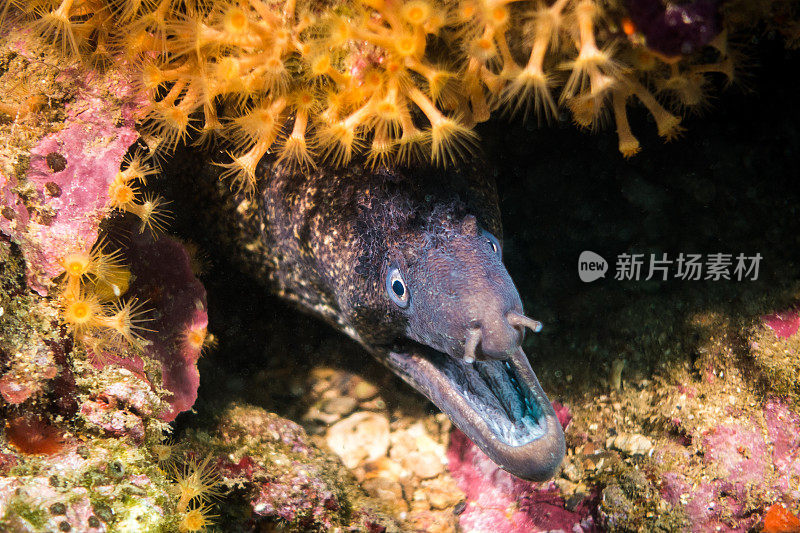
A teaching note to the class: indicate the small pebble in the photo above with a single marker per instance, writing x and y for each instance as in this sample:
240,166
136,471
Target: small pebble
571,472
460,507
425,465
388,492
443,493
341,405
363,436
365,391
630,444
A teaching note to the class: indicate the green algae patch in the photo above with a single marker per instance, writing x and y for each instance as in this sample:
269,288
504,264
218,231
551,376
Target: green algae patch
21,512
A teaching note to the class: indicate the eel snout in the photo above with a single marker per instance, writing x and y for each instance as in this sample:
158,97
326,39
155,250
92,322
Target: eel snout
464,352
498,337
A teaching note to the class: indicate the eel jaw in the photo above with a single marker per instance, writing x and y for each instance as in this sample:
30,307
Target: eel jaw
499,405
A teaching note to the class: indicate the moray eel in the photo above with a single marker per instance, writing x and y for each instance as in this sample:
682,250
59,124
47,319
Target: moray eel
410,266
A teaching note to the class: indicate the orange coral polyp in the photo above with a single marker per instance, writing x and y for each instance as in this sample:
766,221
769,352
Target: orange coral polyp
81,313
303,100
120,193
196,519
196,337
77,264
235,21
224,55
196,481
416,12
467,11
498,16
124,322
152,214
409,46
483,48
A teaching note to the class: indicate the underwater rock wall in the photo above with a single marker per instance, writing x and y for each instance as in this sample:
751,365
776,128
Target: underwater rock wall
84,403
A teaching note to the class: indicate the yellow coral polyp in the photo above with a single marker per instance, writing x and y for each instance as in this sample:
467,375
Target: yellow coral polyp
152,214
196,482
196,519
467,11
235,21
416,12
198,59
81,313
77,264
123,323
195,337
409,45
498,16
121,193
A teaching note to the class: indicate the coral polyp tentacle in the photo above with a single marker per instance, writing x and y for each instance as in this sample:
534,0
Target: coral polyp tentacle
226,72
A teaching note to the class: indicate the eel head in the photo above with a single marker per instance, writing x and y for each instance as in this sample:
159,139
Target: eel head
461,347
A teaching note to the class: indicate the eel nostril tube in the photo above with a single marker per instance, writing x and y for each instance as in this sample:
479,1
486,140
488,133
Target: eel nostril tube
520,320
471,344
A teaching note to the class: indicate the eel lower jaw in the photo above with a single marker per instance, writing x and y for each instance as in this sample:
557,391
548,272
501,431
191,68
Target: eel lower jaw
499,405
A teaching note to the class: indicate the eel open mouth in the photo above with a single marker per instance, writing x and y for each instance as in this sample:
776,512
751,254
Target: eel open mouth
498,404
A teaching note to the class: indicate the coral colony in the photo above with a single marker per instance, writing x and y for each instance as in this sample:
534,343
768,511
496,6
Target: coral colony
103,318
397,81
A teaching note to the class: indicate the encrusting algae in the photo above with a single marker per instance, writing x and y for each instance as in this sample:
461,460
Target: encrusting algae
397,81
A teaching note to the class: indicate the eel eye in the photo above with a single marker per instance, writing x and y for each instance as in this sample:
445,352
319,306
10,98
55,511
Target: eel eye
396,288
493,243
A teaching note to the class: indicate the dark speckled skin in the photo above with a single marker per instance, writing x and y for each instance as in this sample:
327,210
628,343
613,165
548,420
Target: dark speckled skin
322,237
325,240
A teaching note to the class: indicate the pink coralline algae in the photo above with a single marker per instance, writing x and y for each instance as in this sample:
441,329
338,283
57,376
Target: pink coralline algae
502,503
66,195
783,430
745,458
119,407
115,422
28,372
313,501
740,452
784,324
563,414
164,279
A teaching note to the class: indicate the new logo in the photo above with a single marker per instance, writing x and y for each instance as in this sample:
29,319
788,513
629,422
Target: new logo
591,266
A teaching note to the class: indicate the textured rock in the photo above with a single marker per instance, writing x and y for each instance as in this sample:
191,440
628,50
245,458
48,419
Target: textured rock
630,444
360,437
287,479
